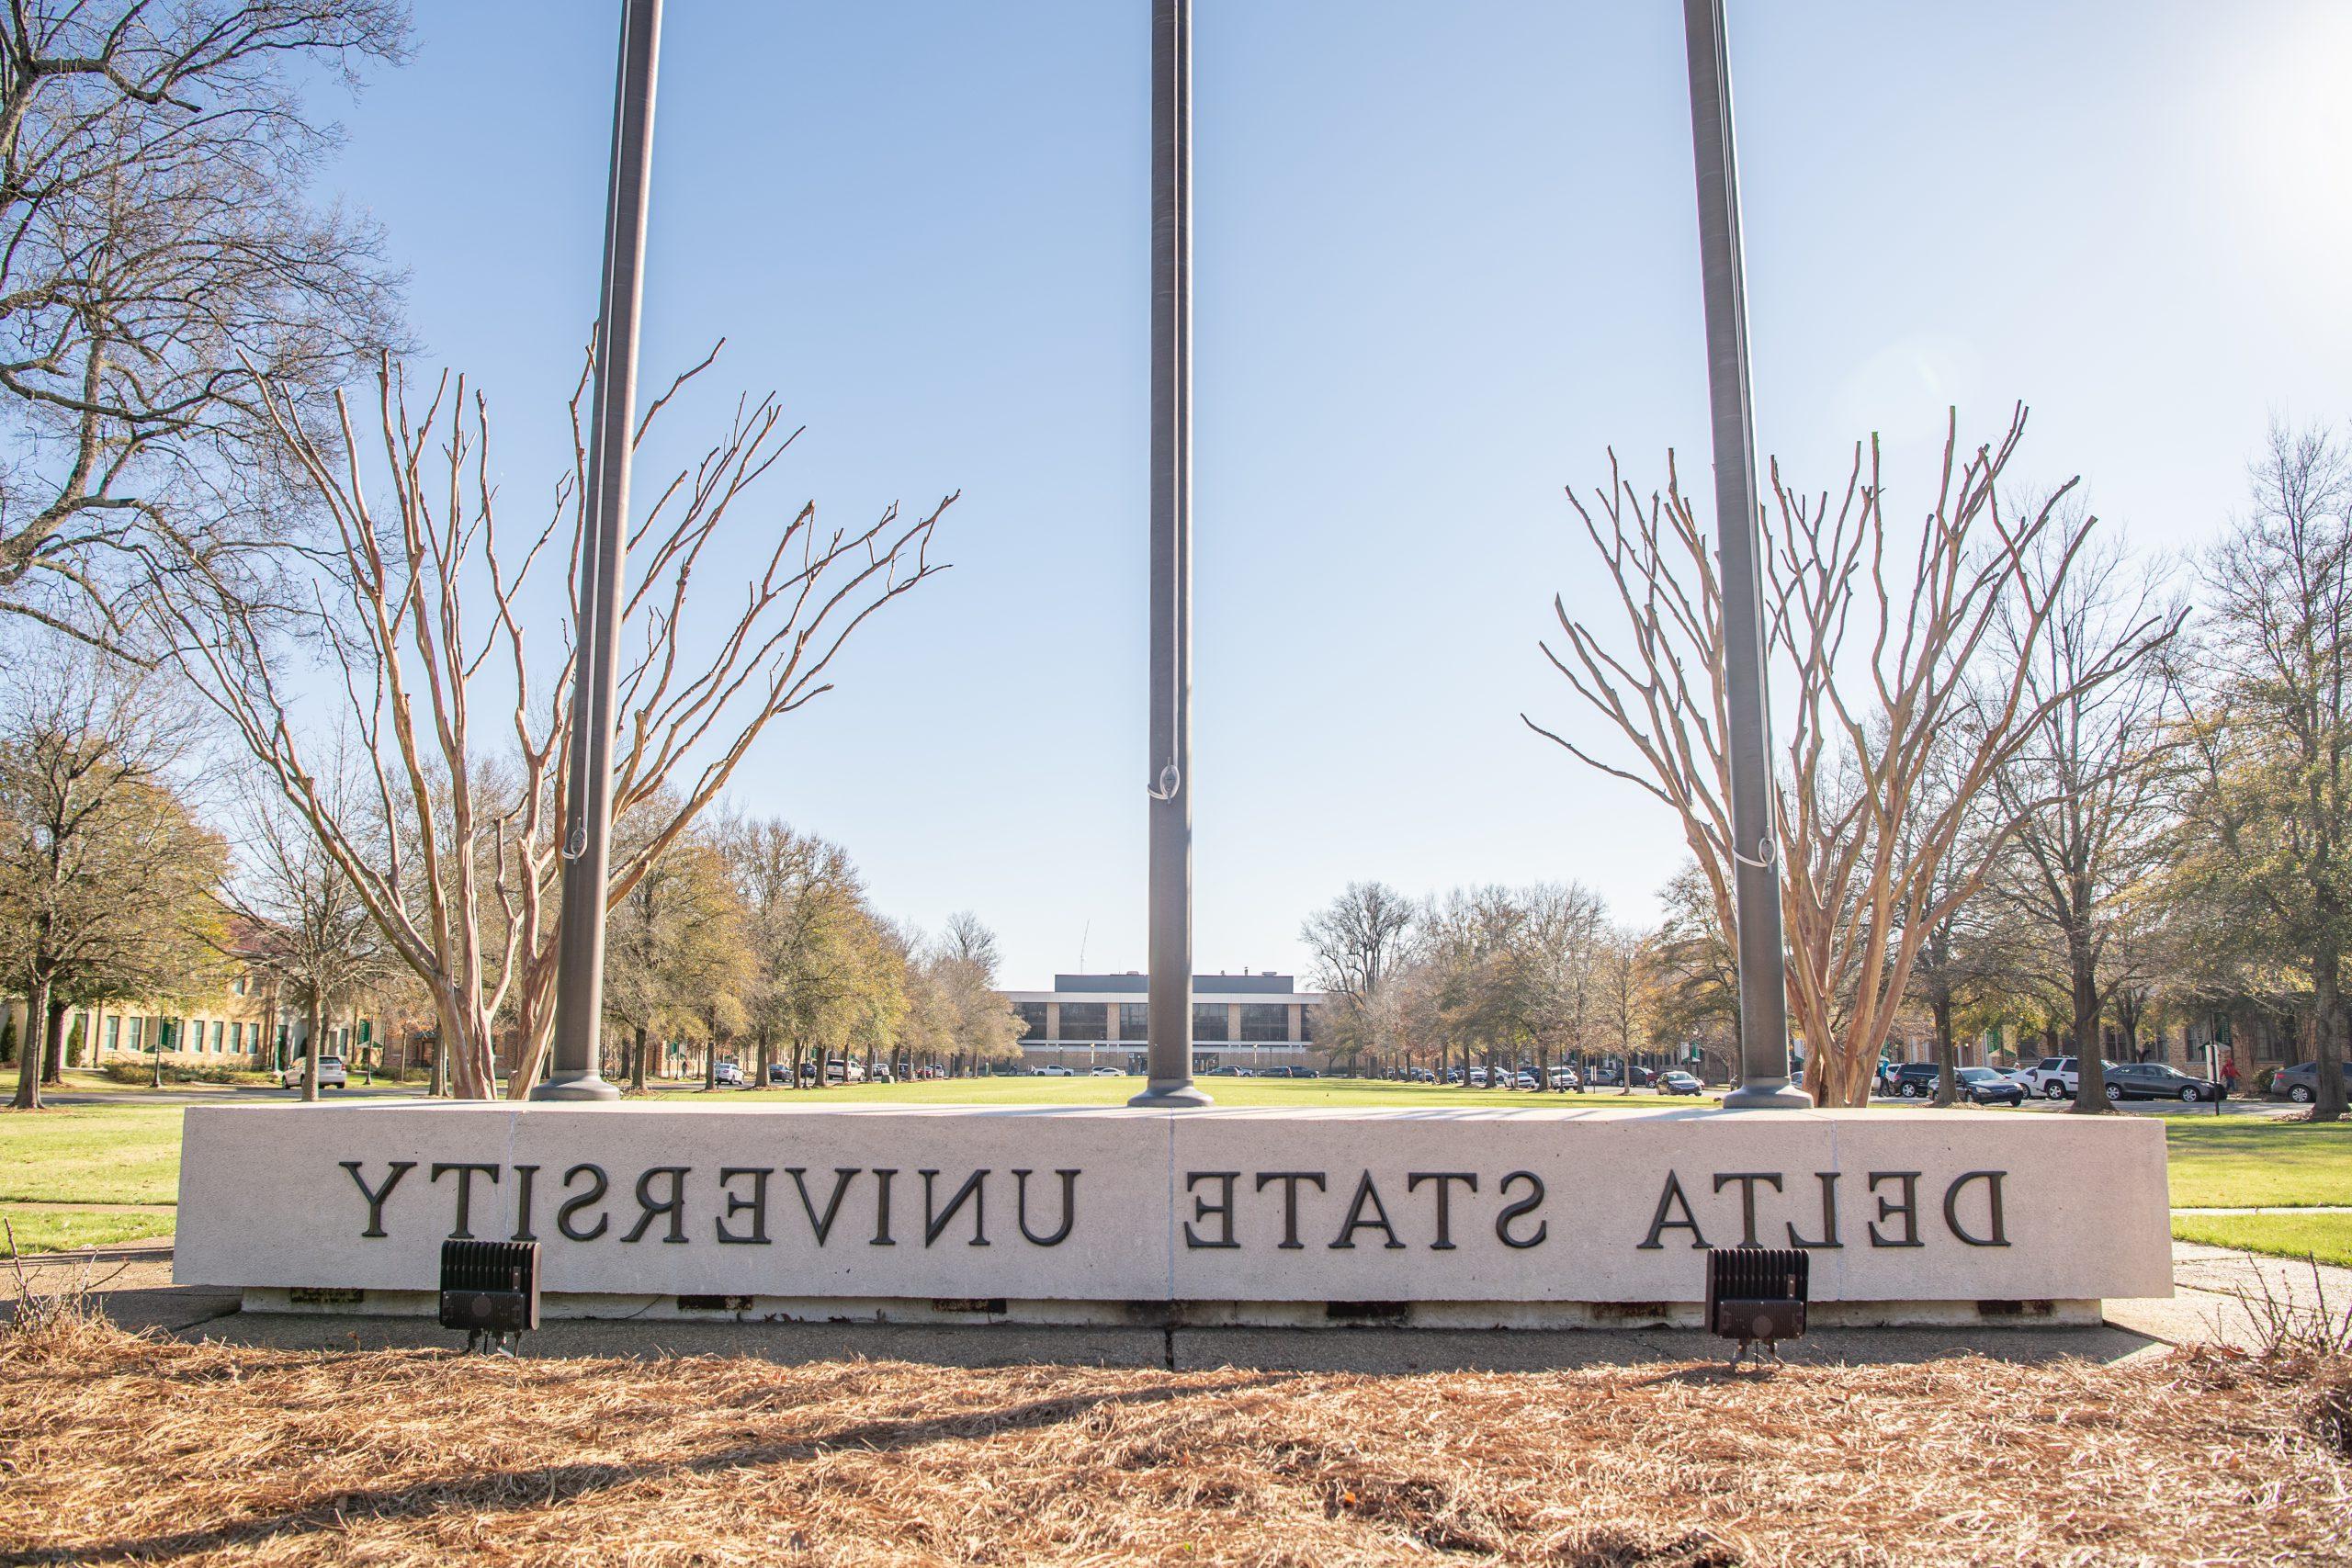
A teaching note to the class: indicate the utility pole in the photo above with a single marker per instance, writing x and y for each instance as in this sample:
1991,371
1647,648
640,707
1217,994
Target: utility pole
1169,1009
579,973
1763,995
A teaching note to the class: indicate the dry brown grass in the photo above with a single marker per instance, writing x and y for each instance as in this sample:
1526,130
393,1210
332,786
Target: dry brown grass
117,1447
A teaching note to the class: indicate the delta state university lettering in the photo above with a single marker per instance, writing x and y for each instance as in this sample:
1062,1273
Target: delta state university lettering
1393,1209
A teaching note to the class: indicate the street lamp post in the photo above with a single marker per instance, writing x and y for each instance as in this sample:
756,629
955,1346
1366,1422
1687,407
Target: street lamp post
1169,1009
1763,998
579,973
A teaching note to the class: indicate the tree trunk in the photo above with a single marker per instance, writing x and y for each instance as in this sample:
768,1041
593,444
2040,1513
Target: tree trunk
1947,1055
2328,1105
29,1057
52,1055
2091,1083
314,1022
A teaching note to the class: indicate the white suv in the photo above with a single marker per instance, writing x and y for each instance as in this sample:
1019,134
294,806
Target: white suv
2053,1078
331,1074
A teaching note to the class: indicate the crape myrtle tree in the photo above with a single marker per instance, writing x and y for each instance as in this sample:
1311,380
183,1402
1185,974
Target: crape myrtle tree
2267,835
432,640
160,261
106,880
1890,687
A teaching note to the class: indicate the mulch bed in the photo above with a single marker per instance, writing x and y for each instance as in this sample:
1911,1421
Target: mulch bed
119,1448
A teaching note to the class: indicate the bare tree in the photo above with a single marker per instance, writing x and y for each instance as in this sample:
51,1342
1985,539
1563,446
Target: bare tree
2085,795
1879,647
967,939
422,610
157,255
300,924
1358,940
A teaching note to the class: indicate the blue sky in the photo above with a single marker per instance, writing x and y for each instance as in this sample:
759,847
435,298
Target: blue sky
1446,257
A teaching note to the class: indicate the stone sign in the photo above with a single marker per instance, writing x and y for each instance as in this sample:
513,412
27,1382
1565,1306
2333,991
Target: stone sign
1557,1214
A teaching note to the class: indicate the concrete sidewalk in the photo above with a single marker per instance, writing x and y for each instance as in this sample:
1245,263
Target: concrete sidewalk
2214,1287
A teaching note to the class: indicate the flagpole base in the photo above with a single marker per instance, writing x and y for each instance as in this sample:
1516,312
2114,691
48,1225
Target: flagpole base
1178,1095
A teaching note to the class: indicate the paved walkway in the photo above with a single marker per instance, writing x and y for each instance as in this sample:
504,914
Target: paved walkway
2222,1296
2225,1297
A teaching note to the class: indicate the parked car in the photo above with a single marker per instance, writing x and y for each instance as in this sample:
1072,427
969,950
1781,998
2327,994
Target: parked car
1228,1072
2300,1083
2155,1081
780,1073
1914,1080
1057,1071
1565,1078
1526,1080
2054,1078
1422,1074
1680,1082
331,1073
1106,1071
727,1075
1982,1086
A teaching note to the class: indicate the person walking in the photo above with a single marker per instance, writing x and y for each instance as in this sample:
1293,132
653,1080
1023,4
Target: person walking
2229,1077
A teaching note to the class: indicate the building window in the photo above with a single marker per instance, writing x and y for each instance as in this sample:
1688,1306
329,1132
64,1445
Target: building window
1033,1020
236,1038
1307,1028
137,1029
1208,1021
1263,1022
1086,1021
114,1033
1135,1019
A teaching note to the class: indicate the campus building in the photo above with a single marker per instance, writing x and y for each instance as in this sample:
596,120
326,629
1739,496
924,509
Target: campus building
1239,1021
242,1025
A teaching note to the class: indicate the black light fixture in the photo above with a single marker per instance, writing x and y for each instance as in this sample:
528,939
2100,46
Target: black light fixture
1756,1295
490,1289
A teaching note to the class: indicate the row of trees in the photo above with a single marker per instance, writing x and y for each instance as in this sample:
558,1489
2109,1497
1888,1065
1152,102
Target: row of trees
1481,974
116,886
2019,774
746,936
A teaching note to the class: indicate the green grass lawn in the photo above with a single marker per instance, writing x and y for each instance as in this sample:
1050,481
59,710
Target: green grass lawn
2249,1162
37,1229
1364,1093
91,1154
2327,1237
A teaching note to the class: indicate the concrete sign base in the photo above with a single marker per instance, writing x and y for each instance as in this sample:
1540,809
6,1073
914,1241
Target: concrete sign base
1540,1217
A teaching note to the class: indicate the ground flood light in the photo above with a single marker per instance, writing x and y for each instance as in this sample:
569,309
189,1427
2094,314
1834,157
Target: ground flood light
490,1289
1756,1295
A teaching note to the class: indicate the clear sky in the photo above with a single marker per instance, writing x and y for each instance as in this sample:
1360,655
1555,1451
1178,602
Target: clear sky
1446,257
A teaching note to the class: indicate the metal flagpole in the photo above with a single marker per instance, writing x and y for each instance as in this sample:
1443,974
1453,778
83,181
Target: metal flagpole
1170,946
1763,998
579,974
